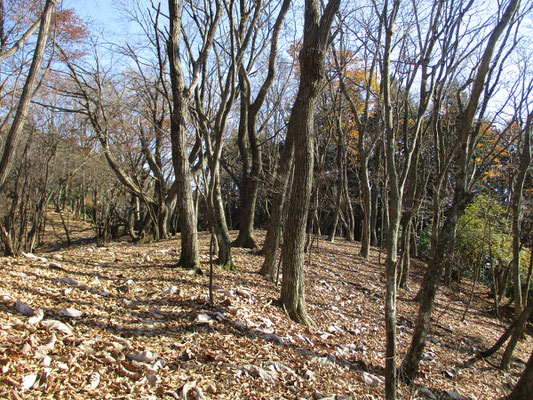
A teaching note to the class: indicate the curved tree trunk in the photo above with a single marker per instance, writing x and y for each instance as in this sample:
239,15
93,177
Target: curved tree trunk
516,206
251,176
518,332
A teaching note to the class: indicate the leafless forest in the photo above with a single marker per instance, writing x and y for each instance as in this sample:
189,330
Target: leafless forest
266,199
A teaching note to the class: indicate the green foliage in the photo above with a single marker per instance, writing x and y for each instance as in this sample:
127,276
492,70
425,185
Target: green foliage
484,233
484,236
423,241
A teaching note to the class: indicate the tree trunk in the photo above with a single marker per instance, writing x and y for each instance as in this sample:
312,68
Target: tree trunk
312,220
337,210
518,332
248,198
366,202
528,279
250,174
350,226
301,129
405,257
281,181
374,216
217,219
516,206
178,135
250,181
339,187
461,199
395,187
27,93
503,338
7,242
524,387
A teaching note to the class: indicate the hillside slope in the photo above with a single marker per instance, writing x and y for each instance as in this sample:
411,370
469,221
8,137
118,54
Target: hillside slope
146,329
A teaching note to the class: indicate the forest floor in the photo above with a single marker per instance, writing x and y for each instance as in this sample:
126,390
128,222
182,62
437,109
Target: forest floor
119,322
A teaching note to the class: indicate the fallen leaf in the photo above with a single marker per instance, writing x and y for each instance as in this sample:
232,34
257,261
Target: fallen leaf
23,308
190,391
38,315
69,281
53,324
371,380
28,381
143,356
93,380
71,313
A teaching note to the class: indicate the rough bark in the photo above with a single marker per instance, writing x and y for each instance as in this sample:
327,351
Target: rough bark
301,128
178,135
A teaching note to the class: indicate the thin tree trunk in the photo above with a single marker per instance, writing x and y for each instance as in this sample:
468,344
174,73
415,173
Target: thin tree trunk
7,242
281,181
395,187
405,257
339,187
528,279
518,332
502,339
374,216
366,201
28,91
350,227
249,111
461,199
516,207
337,210
220,225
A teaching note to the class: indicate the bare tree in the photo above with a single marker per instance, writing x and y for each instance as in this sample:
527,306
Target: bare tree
29,87
358,83
312,56
461,198
516,207
181,96
248,140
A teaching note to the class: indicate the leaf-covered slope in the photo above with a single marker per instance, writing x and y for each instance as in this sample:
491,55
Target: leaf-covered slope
120,322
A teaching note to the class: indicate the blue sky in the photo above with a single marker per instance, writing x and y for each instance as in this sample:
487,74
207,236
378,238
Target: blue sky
101,15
